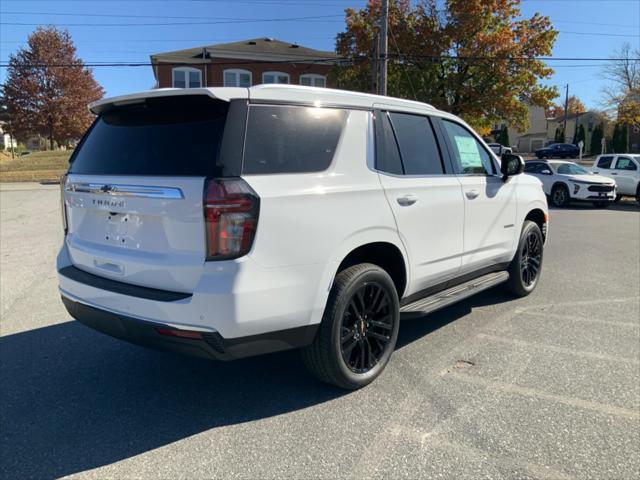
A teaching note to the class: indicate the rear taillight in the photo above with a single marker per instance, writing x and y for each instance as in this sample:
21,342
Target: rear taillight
63,205
231,216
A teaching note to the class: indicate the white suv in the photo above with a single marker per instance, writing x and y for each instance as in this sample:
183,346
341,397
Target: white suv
227,222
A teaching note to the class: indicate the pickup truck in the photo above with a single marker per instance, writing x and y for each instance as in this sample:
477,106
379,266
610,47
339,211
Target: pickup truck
624,168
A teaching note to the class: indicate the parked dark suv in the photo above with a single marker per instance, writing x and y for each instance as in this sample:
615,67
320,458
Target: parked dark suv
558,150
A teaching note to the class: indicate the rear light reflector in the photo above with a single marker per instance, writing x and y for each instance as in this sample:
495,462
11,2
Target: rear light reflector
63,204
231,216
170,332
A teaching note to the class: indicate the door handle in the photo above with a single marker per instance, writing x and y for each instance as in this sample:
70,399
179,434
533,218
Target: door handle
613,173
406,200
471,194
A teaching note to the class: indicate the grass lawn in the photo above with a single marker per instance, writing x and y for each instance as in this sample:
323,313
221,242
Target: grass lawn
36,167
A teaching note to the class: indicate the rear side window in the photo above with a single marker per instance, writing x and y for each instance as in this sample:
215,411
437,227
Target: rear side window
177,136
387,155
605,162
418,146
625,163
468,154
291,139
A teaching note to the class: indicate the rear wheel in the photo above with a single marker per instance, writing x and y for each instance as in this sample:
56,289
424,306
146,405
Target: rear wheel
359,328
525,268
560,196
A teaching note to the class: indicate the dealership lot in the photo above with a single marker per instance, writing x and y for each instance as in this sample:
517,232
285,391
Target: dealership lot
542,387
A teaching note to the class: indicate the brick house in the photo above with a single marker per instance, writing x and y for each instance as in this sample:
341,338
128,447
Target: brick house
242,64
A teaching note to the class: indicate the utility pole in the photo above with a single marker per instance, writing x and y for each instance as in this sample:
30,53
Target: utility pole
566,111
374,63
382,85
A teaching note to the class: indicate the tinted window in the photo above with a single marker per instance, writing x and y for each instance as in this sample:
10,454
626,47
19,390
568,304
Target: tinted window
387,155
291,139
162,136
605,162
534,167
625,163
468,154
417,142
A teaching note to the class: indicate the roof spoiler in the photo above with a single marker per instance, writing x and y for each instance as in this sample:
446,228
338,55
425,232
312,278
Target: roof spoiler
225,94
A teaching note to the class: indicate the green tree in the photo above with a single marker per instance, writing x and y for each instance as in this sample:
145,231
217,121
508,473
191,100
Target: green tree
580,135
474,58
48,88
503,137
596,139
620,137
559,136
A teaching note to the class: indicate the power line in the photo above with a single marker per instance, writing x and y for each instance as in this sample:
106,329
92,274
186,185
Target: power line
324,60
177,17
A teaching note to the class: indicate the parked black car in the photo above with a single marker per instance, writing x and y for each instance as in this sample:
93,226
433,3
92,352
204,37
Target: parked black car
558,150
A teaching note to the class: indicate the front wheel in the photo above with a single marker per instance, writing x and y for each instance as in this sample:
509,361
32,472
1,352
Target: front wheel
560,196
359,328
526,266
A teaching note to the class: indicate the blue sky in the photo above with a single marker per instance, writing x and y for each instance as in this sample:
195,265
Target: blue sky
589,28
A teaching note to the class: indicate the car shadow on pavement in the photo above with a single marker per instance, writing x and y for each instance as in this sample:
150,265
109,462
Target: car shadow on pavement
72,399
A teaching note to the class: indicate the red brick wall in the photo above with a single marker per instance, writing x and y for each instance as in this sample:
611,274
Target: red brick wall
215,71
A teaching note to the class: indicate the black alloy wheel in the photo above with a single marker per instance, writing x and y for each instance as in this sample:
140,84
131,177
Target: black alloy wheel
530,258
366,328
560,196
359,328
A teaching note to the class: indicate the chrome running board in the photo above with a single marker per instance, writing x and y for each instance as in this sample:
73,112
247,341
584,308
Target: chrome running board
454,294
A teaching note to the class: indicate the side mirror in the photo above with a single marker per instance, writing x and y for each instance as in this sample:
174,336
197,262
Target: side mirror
546,172
511,165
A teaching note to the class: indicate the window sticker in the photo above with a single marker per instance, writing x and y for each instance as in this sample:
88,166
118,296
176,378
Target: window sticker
468,150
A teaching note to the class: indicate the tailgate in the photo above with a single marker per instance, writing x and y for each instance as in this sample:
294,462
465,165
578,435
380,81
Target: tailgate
148,233
134,191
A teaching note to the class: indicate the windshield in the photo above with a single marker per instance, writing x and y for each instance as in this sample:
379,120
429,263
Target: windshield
568,168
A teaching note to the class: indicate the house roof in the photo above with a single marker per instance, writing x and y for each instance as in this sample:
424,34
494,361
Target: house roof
264,48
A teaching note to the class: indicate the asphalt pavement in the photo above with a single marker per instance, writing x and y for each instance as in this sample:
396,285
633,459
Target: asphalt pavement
544,387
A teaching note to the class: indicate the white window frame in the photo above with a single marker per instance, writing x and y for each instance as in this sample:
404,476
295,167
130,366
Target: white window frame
237,72
186,71
277,74
313,77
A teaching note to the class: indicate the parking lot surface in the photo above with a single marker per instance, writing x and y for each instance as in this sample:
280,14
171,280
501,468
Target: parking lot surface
543,387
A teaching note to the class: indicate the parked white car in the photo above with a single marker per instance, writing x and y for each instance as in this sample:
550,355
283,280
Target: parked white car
499,149
624,168
289,217
564,182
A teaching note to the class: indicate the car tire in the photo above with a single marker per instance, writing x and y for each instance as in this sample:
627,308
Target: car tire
526,266
617,199
359,328
638,193
601,204
560,196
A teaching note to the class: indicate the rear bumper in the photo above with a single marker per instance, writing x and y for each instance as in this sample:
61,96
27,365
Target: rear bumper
209,344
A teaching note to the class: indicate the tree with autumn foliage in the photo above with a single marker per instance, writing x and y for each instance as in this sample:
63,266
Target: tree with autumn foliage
574,106
474,58
48,88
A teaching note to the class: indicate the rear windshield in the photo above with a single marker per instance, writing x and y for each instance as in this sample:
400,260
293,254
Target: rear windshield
177,136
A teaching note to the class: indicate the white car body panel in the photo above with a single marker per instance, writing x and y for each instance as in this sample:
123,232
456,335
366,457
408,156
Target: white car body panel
570,181
626,180
308,224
